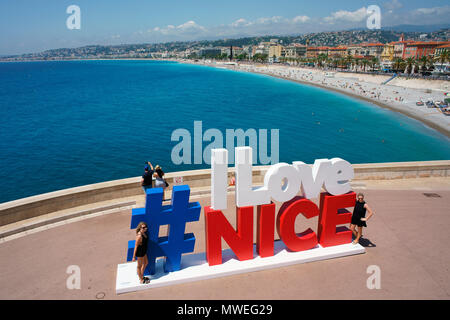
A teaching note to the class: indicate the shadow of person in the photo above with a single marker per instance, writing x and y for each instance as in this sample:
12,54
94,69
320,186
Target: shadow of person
366,243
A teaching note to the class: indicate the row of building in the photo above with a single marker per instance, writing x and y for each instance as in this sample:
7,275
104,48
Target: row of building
384,52
272,48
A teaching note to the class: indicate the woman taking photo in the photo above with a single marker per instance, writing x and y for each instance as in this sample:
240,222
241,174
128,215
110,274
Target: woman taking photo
160,182
140,251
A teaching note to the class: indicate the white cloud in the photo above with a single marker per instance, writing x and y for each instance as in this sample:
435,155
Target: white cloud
187,28
432,11
191,26
241,27
338,20
263,26
347,16
276,22
301,19
272,20
393,5
240,23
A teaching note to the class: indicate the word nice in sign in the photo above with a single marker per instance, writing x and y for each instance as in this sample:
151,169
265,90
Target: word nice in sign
282,183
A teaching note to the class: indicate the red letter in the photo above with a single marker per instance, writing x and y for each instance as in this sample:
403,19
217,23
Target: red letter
265,230
332,213
286,224
218,227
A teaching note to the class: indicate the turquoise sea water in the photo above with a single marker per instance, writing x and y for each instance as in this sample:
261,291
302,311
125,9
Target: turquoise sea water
66,124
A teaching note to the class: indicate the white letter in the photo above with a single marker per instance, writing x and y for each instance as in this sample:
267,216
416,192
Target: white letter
245,196
216,144
313,178
374,281
198,142
374,21
219,183
273,181
274,146
73,21
240,136
337,180
74,281
184,145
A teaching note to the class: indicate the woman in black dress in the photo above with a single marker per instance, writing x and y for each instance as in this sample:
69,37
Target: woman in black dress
359,217
140,251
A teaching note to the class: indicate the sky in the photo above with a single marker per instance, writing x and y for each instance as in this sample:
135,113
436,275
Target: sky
36,25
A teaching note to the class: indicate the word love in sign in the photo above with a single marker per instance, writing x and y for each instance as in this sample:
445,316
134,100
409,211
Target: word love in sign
282,183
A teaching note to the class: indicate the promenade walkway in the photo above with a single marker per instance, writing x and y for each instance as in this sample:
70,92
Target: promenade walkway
407,238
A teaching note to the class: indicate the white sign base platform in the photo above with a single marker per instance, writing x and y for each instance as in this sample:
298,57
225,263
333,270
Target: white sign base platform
194,266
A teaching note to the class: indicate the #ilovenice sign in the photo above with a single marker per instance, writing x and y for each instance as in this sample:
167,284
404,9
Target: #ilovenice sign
291,184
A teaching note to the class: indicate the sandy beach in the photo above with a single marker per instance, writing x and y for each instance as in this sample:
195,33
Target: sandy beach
399,95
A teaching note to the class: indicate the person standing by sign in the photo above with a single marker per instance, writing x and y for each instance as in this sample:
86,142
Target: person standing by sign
140,251
146,181
359,217
160,181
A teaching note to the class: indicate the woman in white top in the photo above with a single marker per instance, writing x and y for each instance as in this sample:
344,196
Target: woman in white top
160,181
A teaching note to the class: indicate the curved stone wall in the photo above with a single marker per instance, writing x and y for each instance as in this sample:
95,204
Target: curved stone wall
34,206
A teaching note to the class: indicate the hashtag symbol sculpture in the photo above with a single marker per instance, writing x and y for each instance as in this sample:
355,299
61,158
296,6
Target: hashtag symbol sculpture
175,216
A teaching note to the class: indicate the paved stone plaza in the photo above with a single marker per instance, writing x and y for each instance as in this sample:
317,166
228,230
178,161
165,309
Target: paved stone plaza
407,239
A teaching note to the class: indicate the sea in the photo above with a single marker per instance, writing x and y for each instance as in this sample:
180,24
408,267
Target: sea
70,123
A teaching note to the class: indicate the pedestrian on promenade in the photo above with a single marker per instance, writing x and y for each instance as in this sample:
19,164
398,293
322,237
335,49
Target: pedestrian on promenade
140,251
160,181
359,217
146,181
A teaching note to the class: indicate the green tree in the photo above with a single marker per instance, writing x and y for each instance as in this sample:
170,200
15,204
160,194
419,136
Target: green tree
424,61
260,57
374,62
409,64
193,56
443,57
397,63
242,56
321,58
364,63
349,61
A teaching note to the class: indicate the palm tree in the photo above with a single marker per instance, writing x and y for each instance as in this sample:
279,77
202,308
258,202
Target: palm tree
430,62
321,58
329,61
333,62
357,63
349,61
424,61
364,62
443,57
397,63
409,64
259,57
373,62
